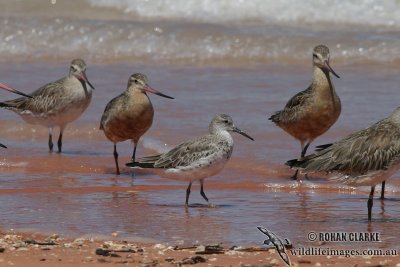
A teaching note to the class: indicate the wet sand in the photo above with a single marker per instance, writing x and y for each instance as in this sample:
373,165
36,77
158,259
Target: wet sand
76,193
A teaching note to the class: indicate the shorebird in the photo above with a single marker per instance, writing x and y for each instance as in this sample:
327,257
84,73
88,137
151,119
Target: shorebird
196,159
364,158
7,88
313,111
57,103
129,115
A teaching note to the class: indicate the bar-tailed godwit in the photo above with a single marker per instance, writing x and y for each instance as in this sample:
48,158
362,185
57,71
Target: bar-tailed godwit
57,103
364,158
313,111
129,115
196,159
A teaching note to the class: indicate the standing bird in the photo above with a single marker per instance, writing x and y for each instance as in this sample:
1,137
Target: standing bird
7,88
313,111
196,159
57,103
129,115
364,158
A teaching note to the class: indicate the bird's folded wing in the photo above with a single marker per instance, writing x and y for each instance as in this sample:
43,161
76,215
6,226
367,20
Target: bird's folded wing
368,150
183,155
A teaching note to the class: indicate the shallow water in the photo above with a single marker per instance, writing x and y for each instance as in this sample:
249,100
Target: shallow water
77,192
247,67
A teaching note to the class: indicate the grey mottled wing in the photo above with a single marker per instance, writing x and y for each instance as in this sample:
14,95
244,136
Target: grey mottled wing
292,107
185,154
371,149
41,100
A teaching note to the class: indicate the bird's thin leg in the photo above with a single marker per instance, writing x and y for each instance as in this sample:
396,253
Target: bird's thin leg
116,158
383,190
59,142
303,153
51,139
304,150
134,151
370,202
202,190
188,193
294,177
134,156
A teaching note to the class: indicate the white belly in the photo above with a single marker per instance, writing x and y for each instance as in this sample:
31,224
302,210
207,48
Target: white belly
53,119
197,172
61,111
369,179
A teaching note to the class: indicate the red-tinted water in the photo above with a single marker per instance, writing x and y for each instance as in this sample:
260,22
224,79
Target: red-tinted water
77,192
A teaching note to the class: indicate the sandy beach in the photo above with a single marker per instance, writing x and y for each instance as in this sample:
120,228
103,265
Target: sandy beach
33,249
246,64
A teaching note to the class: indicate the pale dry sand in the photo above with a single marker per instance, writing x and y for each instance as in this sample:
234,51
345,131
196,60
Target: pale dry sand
19,249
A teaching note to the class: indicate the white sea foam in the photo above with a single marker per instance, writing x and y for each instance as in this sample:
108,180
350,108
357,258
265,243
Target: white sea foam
204,31
370,12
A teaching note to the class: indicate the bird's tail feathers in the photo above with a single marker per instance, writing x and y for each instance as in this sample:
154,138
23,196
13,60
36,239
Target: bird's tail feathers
4,105
13,104
295,163
145,162
301,163
134,164
322,147
275,117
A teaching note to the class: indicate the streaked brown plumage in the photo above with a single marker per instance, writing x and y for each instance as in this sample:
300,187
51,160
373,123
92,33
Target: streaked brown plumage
366,157
57,103
129,115
313,111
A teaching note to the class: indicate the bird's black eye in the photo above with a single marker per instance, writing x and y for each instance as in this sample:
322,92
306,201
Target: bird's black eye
136,81
226,121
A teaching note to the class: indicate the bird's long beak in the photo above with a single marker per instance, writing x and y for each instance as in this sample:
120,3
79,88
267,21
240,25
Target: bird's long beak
1,145
237,130
6,87
154,91
328,68
84,78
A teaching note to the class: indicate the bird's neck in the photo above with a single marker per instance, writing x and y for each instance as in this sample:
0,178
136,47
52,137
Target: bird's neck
224,134
322,82
138,96
71,75
321,78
